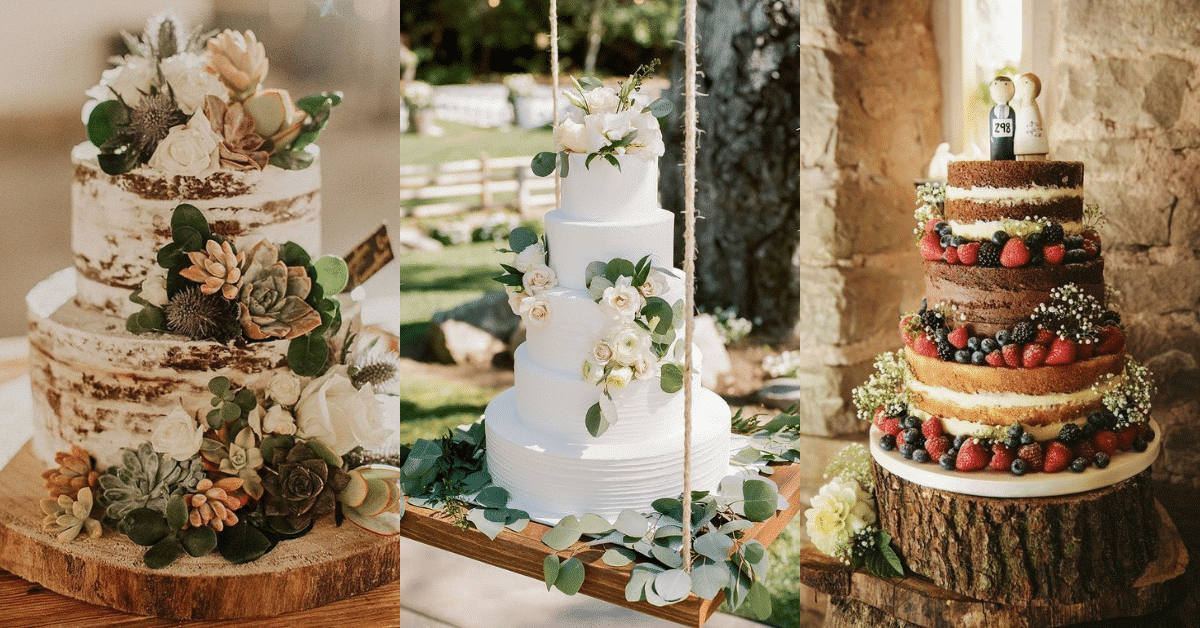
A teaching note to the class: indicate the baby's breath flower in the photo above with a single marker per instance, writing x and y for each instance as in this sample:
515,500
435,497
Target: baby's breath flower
884,388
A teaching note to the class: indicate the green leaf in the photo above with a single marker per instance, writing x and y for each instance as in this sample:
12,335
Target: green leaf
661,107
270,444
145,526
667,556
242,543
245,400
642,271
595,421
308,354
635,590
521,238
618,556
758,601
177,514
230,412
104,121
314,102
709,579
752,557
332,273
292,159
564,164
219,385
669,506
117,157
492,497
617,268
293,254
543,163
485,524
587,162
656,307
761,499
325,453
714,545
612,159
570,576
550,567
671,377
147,319
510,280
883,543
169,254
594,524
163,553
589,83
563,535
186,216
632,523
198,542
673,585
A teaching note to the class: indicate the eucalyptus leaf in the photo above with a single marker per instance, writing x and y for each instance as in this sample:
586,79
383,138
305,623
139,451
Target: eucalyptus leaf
618,556
747,455
736,525
635,589
739,586
594,524
761,499
245,400
709,579
550,566
492,497
292,159
189,239
610,537
486,525
632,523
563,535
595,421
758,600
515,520
564,164
520,238
595,269
198,542
570,576
219,385
673,585
661,107
186,216
713,545
543,163
163,553
332,273
104,121
668,532
669,506
308,354
117,157
667,556
671,377
619,267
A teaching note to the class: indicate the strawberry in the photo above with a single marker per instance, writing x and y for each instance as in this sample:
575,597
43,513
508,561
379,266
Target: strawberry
892,426
931,247
879,417
1107,441
1091,248
1012,354
1044,337
1085,349
1062,351
969,253
924,346
1111,340
1014,253
958,338
1085,449
931,223
907,327
1058,456
932,427
1125,437
937,446
971,456
1033,356
1002,457
995,358
1054,254
1032,454
950,255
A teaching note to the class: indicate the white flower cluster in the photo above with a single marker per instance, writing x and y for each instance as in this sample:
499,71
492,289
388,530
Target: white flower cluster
599,119
840,513
624,352
786,364
536,277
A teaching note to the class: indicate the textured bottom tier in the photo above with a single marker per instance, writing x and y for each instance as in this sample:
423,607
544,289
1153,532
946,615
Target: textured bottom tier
551,478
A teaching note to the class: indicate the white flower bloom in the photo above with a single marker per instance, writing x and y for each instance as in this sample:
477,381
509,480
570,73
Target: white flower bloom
649,141
278,421
594,125
177,435
539,278
514,299
655,285
191,82
339,415
602,100
618,378
602,353
597,286
592,372
284,388
622,301
535,311
629,344
618,125
532,255
839,511
154,286
571,136
192,149
129,80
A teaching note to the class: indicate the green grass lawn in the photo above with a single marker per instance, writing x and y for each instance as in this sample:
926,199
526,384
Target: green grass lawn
437,280
429,407
466,142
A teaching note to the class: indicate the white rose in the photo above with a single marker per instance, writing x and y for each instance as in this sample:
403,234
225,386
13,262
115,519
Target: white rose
535,311
839,511
622,301
602,353
191,82
284,388
597,286
538,278
649,141
629,344
191,149
594,125
571,136
154,286
514,299
618,378
129,81
645,361
278,421
339,415
602,100
618,125
592,372
532,255
177,435
655,285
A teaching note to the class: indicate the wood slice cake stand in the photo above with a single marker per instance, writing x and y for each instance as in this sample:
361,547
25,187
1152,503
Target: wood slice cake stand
327,564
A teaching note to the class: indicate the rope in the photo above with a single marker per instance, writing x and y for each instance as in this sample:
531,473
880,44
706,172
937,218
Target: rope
554,90
689,265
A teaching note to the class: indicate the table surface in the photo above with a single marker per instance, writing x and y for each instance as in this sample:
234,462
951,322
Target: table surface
24,604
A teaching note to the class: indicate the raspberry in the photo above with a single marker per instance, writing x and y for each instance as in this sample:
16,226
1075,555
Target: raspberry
968,253
950,255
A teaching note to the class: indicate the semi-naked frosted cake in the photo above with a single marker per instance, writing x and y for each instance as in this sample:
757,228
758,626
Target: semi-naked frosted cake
595,421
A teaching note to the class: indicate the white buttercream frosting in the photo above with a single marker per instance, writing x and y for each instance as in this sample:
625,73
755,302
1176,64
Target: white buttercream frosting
983,229
1012,196
576,243
603,193
987,399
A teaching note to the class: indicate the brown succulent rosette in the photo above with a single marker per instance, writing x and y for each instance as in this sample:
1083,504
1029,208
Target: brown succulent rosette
301,485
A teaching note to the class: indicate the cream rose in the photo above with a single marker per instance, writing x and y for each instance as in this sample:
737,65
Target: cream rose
190,82
629,344
539,278
191,149
655,285
591,372
594,124
339,415
649,141
284,388
617,125
278,421
622,301
514,299
602,353
839,512
618,378
154,286
535,311
571,136
532,255
177,435
602,100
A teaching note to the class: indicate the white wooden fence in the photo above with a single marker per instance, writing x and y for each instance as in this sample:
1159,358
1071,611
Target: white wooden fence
461,186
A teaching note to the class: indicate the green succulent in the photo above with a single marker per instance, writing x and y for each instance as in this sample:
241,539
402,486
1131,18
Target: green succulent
302,483
146,479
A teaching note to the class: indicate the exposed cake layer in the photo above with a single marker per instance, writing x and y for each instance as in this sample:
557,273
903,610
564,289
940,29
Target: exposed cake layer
996,190
100,387
576,243
551,477
995,298
120,222
602,193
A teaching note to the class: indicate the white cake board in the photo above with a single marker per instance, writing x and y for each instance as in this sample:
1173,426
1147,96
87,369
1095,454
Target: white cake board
992,483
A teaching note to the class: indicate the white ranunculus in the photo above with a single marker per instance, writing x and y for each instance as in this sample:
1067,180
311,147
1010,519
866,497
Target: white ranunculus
629,344
597,286
591,372
177,435
129,81
571,136
655,285
278,421
618,125
839,511
602,100
602,353
644,362
535,311
192,149
154,286
532,255
514,299
649,141
618,378
594,124
622,301
339,415
191,82
284,388
539,278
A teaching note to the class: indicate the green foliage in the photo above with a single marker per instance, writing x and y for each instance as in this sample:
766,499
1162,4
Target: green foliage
595,421
308,354
543,163
106,120
242,543
332,273
229,403
671,377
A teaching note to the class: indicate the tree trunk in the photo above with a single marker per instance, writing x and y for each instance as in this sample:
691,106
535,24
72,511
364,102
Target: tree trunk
748,162
595,33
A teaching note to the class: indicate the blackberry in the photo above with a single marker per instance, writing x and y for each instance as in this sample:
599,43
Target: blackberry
1101,460
1079,464
1075,256
1070,434
999,238
1139,443
1019,466
1149,435
1015,430
1034,241
1073,241
946,461
946,240
1036,257
907,450
931,320
1023,332
945,351
962,356
973,343
1088,430
1111,317
912,436
887,442
920,456
1002,337
1027,439
957,241
979,358
1052,233
989,254
988,345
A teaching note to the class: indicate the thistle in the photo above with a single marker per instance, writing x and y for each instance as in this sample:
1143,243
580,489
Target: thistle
202,316
379,368
151,120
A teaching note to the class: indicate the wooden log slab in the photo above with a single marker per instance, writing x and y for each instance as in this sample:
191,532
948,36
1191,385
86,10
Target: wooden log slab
1063,549
326,565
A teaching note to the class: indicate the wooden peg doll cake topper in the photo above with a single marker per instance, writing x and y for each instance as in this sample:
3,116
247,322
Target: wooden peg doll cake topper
1030,142
1002,119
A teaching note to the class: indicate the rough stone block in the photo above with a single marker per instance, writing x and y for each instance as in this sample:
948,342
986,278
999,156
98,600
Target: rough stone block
1137,215
1154,284
489,312
1181,439
1165,92
456,342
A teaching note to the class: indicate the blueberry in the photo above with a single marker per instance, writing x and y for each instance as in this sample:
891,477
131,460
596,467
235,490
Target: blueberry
887,442
1019,466
1070,434
979,358
973,343
912,435
1149,435
1079,464
959,440
1139,443
962,356
1110,316
910,421
957,241
920,456
1002,337
1000,237
1101,459
1074,241
941,226
907,450
1016,430
987,345
947,461
1013,443
1027,439
946,240
1034,241
1088,431
1077,256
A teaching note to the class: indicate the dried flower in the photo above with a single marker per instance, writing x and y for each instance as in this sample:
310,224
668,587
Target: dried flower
152,119
378,368
68,517
202,316
271,297
217,267
239,60
212,504
241,147
75,472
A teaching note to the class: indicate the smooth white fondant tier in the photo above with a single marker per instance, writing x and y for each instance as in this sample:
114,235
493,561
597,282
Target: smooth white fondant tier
552,477
118,223
98,386
601,193
576,243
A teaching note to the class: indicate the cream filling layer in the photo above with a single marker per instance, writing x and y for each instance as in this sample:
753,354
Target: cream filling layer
984,229
1012,196
1014,400
955,427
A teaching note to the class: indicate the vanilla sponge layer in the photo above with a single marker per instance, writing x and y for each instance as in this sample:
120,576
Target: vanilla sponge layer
576,243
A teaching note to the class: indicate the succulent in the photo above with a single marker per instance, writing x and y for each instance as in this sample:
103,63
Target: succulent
212,505
271,297
202,316
240,458
146,479
239,60
76,470
372,499
241,148
302,484
68,517
218,268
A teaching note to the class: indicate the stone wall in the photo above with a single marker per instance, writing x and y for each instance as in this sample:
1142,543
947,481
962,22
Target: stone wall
870,120
1129,73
